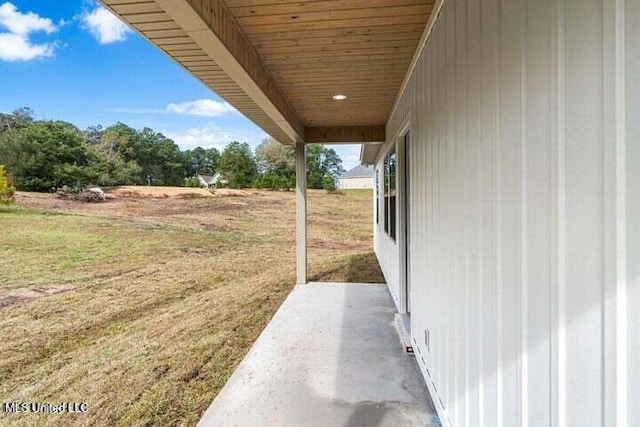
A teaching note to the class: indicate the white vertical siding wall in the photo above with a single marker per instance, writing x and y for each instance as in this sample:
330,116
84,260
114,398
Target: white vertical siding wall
525,124
626,307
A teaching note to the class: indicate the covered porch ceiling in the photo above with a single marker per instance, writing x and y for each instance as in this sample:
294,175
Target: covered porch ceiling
280,62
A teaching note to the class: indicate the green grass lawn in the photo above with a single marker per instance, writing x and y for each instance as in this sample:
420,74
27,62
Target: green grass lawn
143,308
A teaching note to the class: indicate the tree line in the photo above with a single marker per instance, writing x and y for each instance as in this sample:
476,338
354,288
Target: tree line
43,155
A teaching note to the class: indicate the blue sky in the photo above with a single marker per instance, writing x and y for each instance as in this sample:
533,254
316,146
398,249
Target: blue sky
72,60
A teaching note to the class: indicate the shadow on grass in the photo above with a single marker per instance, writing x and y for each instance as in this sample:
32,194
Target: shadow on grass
360,268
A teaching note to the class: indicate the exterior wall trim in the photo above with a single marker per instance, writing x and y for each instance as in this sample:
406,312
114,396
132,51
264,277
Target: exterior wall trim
435,14
401,214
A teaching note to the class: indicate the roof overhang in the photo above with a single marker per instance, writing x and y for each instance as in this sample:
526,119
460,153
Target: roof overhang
369,153
204,39
280,63
344,134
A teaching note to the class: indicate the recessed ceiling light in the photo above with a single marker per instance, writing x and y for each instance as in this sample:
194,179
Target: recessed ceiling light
339,97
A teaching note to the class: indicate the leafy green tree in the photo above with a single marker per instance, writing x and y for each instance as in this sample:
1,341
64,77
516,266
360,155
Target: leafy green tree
20,118
163,158
119,139
276,162
46,155
271,156
200,161
322,161
192,182
238,165
257,182
267,181
41,155
93,134
138,154
23,115
329,182
212,158
113,169
117,147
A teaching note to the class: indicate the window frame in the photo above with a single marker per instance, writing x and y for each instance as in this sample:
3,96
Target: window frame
390,193
377,198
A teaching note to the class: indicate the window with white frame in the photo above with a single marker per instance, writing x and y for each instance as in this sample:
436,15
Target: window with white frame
390,175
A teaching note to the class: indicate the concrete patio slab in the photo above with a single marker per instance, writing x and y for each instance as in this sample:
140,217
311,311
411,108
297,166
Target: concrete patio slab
329,357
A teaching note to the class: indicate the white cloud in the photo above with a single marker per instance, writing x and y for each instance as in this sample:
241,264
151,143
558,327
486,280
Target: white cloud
105,27
212,137
24,23
16,45
199,107
202,107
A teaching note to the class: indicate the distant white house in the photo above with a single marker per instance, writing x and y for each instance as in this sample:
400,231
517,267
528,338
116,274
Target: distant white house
212,181
358,177
206,181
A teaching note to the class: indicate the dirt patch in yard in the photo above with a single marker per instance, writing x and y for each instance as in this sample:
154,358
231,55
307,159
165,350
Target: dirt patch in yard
177,192
23,295
158,192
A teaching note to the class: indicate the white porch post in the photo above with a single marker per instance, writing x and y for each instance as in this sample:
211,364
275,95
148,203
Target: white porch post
301,214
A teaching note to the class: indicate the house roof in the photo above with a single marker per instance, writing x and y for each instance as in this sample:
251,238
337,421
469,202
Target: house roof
359,172
218,177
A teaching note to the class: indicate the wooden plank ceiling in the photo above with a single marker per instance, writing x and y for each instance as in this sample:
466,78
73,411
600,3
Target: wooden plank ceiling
315,49
298,53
